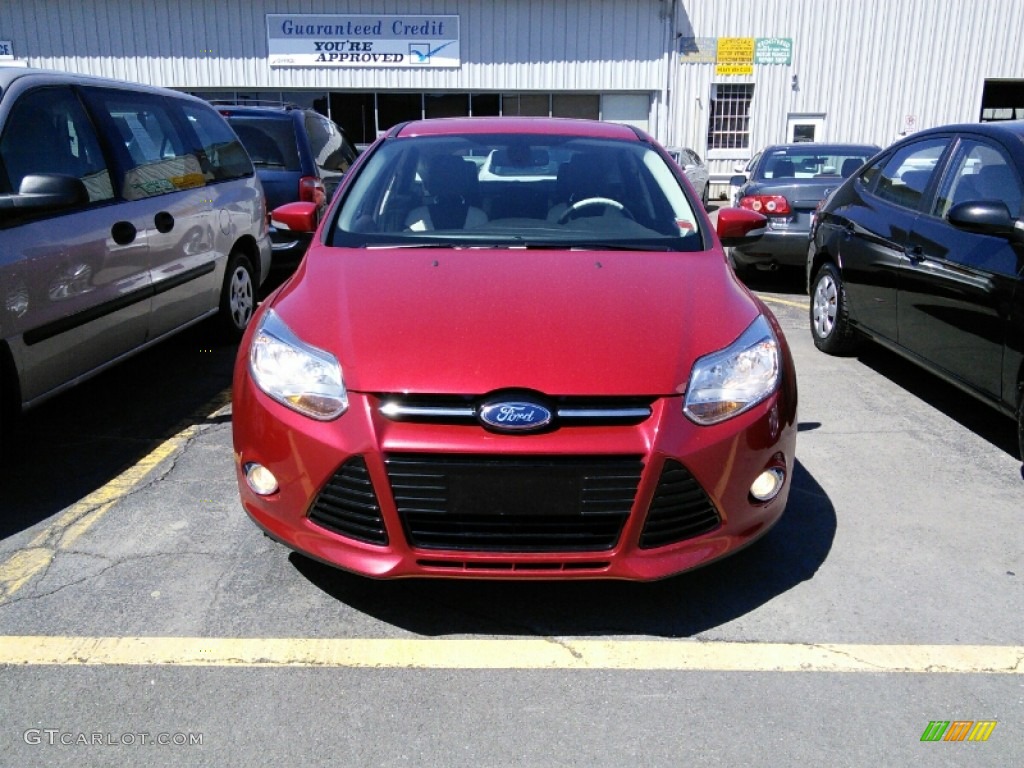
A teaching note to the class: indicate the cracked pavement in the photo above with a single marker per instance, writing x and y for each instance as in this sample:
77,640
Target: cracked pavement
903,533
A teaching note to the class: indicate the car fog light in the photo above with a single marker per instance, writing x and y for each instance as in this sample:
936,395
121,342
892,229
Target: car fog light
260,479
768,484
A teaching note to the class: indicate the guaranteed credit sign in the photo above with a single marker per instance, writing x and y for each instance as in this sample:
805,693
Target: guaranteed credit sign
306,40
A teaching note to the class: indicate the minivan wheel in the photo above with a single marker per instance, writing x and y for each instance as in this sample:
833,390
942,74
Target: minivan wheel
829,313
237,296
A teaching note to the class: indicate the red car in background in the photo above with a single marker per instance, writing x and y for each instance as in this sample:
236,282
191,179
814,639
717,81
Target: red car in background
538,375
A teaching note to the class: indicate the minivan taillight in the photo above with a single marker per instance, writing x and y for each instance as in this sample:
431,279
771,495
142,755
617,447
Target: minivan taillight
766,204
311,190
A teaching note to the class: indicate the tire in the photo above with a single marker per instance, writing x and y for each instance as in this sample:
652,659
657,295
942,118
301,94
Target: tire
829,313
1020,429
237,296
705,197
10,412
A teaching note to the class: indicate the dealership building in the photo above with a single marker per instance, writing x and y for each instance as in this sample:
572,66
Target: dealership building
723,77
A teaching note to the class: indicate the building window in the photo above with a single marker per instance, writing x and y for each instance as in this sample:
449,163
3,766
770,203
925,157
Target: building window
729,123
582,105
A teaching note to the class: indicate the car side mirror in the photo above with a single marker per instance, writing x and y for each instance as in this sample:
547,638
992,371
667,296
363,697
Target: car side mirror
738,180
296,217
40,192
987,217
739,226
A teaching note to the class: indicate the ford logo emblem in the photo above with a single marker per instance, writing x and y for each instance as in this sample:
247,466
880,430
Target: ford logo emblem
515,416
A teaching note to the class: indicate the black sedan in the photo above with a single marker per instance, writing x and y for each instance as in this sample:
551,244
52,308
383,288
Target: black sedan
923,251
786,184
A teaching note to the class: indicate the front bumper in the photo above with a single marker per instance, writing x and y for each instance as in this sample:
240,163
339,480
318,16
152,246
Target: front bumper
366,456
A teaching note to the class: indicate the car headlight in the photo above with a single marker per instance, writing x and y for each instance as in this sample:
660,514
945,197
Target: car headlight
728,382
300,376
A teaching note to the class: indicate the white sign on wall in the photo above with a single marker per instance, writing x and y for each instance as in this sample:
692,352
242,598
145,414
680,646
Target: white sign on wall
6,49
308,40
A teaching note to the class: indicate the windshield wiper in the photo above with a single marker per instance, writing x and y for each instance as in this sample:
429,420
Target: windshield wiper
597,246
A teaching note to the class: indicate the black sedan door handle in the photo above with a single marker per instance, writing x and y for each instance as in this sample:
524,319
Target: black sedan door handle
164,222
123,232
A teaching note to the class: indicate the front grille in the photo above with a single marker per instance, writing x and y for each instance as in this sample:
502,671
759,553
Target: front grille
567,411
679,510
513,503
348,505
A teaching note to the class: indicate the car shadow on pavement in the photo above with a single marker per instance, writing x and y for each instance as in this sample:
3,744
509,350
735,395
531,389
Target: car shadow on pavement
784,280
982,420
682,606
76,443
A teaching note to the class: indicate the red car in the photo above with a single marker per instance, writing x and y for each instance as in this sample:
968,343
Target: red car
550,372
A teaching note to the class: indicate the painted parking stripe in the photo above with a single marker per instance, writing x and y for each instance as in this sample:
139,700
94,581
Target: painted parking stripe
20,567
531,653
784,302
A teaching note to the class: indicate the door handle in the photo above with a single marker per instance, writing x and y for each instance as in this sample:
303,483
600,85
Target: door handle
123,232
915,253
164,222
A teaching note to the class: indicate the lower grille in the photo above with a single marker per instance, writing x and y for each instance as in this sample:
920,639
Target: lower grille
348,505
513,503
680,509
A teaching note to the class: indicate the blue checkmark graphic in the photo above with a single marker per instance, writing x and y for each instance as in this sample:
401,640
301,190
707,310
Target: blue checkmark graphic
425,57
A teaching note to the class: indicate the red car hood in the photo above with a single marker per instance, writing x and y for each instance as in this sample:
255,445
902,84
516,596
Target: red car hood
471,321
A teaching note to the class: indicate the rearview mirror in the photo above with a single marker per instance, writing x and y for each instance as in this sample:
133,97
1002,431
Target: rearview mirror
986,217
296,217
40,192
739,226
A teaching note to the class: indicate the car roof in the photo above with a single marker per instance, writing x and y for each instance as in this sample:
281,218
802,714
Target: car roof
261,110
999,128
551,126
816,146
11,75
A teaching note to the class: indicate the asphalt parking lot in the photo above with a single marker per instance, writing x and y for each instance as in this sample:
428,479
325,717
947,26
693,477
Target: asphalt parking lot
145,620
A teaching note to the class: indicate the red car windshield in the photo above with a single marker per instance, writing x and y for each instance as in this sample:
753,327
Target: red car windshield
513,189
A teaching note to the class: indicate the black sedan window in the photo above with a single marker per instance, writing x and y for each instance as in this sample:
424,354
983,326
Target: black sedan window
979,172
909,171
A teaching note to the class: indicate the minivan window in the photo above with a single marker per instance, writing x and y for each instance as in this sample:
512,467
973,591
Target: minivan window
158,158
48,131
222,154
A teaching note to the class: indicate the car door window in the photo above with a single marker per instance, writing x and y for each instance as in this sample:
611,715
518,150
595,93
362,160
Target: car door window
907,173
48,131
979,171
156,156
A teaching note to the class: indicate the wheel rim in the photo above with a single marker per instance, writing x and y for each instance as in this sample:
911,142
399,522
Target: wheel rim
826,304
240,297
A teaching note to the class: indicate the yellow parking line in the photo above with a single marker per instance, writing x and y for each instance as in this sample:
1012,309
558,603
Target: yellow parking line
786,302
18,569
531,653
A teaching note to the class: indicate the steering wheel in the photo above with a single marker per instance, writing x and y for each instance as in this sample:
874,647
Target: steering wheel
588,201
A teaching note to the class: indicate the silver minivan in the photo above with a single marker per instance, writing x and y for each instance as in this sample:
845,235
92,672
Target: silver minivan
127,213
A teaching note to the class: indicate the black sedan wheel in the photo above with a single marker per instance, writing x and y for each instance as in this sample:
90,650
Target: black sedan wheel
830,322
1020,429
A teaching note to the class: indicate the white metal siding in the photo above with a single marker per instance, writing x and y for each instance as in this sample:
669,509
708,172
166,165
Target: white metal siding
516,45
865,64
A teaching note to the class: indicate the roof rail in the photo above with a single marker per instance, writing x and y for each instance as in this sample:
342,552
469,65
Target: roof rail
254,103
